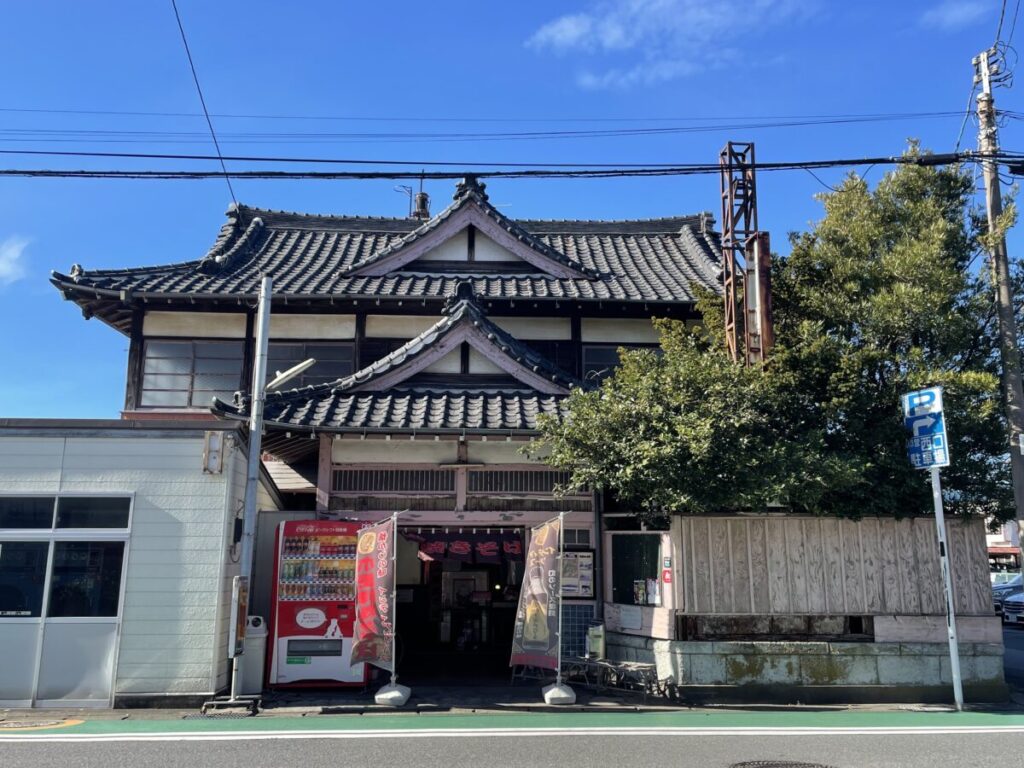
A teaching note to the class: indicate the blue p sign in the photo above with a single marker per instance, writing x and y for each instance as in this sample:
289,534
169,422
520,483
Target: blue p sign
922,402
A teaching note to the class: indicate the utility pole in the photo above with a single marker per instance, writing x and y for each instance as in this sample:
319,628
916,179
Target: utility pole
985,69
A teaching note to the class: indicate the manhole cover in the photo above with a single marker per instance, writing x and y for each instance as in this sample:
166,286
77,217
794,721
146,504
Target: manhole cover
777,764
31,724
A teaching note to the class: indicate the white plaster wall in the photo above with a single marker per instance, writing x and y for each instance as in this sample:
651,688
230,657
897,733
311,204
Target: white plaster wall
220,325
333,327
450,363
485,249
480,364
538,328
398,326
494,452
620,331
455,248
421,451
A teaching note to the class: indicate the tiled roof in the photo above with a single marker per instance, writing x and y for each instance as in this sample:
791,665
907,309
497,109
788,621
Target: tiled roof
408,410
379,397
656,260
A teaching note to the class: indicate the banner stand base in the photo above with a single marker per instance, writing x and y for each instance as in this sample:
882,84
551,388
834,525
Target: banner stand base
393,695
559,693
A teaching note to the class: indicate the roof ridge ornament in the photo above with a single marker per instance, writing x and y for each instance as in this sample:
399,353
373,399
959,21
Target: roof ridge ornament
470,185
463,293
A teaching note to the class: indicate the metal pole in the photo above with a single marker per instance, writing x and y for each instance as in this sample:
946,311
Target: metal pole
561,547
394,596
259,376
988,143
954,648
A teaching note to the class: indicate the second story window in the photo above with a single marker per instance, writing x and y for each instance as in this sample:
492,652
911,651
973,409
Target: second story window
333,361
189,374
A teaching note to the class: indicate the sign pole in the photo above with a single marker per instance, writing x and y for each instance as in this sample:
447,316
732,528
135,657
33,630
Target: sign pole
954,648
394,598
561,550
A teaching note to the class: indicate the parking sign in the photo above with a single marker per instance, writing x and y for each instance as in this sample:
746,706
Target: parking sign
923,417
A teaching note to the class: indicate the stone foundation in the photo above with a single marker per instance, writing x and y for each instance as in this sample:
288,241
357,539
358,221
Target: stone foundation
818,671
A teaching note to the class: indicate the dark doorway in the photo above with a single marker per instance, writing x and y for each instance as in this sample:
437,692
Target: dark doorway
456,616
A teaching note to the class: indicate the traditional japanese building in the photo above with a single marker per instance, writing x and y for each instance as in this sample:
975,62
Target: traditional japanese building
439,340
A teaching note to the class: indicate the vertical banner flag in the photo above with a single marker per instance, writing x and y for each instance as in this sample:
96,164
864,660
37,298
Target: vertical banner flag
535,638
375,611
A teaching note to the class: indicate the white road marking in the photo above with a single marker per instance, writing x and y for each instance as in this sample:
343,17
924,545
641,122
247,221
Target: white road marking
478,733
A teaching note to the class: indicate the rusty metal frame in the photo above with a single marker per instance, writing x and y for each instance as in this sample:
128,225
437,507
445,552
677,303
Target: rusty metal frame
745,256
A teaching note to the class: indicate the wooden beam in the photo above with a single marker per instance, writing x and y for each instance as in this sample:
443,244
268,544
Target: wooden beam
133,384
324,475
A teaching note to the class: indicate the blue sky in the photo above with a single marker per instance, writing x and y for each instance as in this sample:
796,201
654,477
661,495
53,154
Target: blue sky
439,67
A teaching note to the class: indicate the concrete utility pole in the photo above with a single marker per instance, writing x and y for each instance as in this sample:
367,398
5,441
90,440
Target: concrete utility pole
988,143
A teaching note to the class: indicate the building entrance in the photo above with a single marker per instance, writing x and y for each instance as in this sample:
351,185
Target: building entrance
457,596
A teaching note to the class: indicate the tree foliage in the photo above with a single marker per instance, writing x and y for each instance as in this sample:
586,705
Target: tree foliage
883,295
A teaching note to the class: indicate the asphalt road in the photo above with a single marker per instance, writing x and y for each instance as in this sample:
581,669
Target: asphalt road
1013,658
558,751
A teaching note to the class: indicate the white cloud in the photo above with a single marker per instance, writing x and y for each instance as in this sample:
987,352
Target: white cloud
653,41
953,14
12,265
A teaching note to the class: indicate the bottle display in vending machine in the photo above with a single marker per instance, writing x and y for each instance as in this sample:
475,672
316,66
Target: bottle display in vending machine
314,606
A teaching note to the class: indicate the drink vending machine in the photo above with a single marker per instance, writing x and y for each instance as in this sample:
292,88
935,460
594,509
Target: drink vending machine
311,621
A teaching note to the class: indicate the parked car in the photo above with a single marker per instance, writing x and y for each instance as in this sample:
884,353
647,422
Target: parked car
1002,591
1013,609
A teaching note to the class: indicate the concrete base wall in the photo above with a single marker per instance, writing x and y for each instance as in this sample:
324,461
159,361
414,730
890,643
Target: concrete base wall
818,671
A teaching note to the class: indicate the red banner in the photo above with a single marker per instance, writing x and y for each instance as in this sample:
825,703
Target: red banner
535,638
490,547
375,584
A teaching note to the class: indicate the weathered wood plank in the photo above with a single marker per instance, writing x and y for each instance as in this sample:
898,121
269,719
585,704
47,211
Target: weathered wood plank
929,581
778,570
703,599
981,593
835,597
796,559
721,583
892,586
908,568
759,565
871,564
683,567
853,578
959,565
815,560
742,597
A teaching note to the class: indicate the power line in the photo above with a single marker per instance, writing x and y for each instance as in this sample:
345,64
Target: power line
927,159
967,116
522,173
1013,24
475,119
999,29
199,90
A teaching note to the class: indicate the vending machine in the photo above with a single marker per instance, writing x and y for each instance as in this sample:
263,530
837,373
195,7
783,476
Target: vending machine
314,606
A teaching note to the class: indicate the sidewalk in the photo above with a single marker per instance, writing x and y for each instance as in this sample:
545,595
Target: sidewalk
478,707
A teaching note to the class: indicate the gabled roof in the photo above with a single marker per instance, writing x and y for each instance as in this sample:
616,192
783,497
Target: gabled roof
323,258
470,207
362,395
408,410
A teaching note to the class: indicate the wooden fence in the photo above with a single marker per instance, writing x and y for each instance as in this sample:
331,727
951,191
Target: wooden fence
779,564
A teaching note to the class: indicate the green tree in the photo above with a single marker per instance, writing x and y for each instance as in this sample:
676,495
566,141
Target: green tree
883,295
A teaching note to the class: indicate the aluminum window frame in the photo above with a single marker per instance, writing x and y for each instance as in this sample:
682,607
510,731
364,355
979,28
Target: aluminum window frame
52,536
190,392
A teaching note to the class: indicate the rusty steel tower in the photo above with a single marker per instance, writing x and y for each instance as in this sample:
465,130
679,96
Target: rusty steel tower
746,257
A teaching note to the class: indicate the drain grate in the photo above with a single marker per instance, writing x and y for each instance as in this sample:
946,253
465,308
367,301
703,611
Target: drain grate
777,764
219,716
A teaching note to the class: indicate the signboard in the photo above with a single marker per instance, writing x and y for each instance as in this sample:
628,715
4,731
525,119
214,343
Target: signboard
375,584
578,574
490,547
535,638
928,445
239,612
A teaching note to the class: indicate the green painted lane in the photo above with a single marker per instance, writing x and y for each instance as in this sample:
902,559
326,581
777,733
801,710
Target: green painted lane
542,720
